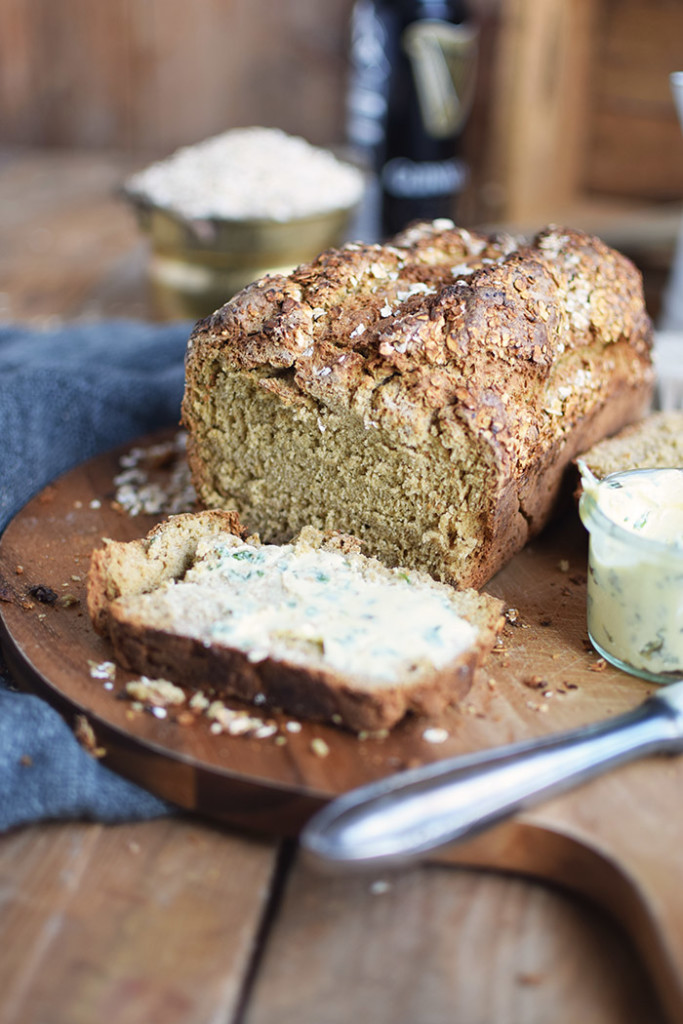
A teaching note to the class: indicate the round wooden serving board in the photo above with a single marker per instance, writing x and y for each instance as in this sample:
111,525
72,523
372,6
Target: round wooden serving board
618,839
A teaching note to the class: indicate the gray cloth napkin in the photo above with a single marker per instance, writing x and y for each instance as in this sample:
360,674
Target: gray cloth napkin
66,395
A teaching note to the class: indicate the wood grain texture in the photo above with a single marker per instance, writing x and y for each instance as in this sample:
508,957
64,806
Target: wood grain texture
635,145
153,76
543,678
494,945
540,115
69,246
425,945
135,923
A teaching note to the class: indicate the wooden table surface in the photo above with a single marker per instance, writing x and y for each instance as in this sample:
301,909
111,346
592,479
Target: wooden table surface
182,921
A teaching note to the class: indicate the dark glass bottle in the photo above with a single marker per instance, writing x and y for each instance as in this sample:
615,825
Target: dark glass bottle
413,68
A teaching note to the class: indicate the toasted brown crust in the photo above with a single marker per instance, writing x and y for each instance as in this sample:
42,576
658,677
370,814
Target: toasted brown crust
310,694
123,570
495,362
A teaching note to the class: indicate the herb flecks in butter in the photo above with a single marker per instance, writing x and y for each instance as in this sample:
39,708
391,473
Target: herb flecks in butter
635,580
311,605
649,504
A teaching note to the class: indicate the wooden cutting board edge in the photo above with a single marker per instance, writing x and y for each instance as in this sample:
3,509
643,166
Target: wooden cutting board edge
531,844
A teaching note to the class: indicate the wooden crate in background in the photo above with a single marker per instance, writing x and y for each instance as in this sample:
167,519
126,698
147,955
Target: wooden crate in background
151,75
573,113
580,108
635,140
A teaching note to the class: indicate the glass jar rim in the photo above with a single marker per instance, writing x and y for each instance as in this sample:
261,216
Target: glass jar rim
593,517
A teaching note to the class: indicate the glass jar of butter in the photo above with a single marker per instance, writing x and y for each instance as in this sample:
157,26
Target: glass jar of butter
635,569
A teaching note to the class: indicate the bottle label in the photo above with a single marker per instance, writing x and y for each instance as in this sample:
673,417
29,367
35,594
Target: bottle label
409,179
369,80
443,58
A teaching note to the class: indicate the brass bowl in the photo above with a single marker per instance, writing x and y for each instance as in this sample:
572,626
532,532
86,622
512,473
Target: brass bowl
197,265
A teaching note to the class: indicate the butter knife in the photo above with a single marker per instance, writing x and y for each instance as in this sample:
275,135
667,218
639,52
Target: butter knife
400,818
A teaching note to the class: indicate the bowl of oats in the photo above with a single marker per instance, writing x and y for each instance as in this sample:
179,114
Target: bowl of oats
226,211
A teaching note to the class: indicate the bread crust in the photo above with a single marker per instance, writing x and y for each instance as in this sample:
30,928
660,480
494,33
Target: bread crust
498,361
655,442
140,566
123,570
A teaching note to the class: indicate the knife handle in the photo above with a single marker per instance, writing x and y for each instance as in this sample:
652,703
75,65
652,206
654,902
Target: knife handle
397,819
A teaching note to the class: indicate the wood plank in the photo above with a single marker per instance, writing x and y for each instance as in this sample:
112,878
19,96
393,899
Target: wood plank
638,44
69,246
541,99
166,73
636,145
134,923
635,154
435,945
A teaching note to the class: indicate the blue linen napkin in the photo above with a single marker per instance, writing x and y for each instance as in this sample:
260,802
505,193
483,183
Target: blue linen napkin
67,395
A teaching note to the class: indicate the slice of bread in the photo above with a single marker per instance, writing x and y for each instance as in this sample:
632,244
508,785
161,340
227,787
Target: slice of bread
655,442
313,627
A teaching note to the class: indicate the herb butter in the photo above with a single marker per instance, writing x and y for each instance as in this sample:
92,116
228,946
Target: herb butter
316,606
635,578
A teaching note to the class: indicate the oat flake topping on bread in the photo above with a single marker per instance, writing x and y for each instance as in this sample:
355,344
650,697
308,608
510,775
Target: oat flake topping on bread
425,395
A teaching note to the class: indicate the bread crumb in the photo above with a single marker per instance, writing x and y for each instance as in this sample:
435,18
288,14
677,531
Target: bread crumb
85,735
379,887
41,592
159,693
265,731
198,702
435,734
102,669
137,493
319,747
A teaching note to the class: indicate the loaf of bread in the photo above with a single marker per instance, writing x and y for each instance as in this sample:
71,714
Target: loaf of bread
655,442
424,395
312,627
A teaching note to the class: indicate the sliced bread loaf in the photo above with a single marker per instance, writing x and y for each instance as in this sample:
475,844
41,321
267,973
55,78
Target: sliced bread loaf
312,627
655,442
425,395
